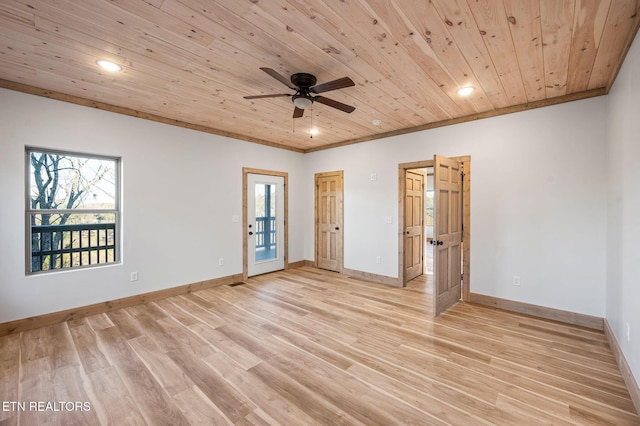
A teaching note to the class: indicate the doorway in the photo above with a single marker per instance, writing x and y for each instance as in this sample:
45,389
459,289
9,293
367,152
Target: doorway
329,217
414,214
445,199
264,221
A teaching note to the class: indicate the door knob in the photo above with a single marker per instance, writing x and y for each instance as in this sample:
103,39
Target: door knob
439,243
250,233
337,228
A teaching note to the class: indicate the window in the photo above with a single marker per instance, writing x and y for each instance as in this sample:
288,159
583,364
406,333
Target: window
73,210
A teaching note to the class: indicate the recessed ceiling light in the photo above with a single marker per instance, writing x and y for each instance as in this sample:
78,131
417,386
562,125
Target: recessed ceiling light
314,131
465,91
108,65
376,122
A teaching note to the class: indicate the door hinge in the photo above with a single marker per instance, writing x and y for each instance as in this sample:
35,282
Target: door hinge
461,277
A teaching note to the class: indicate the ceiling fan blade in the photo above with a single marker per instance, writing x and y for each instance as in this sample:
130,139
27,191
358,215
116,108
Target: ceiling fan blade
335,104
333,85
281,79
298,112
277,95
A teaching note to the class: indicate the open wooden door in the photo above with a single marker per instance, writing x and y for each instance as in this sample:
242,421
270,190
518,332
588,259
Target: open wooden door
329,218
447,234
413,224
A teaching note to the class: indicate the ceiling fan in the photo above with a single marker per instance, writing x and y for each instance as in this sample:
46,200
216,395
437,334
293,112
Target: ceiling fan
305,86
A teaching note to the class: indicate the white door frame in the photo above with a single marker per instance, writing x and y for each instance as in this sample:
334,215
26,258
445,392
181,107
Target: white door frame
466,219
245,240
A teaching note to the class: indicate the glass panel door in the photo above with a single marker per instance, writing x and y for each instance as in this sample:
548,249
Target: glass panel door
266,232
265,222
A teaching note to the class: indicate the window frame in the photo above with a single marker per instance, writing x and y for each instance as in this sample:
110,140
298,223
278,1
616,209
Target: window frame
29,212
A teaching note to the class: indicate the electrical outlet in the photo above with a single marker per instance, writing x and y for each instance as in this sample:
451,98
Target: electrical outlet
628,332
373,176
134,276
221,262
516,280
378,259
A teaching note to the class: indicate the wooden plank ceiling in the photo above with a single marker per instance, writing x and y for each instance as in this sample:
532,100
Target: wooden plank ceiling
191,62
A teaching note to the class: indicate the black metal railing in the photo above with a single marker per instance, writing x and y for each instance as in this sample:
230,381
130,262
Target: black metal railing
265,232
69,246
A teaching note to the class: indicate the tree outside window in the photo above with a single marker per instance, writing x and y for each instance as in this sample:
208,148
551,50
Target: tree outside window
72,210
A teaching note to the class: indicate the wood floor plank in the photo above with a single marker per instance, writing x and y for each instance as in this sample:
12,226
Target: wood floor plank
71,394
186,340
10,421
91,357
113,402
176,312
532,355
9,375
198,409
313,347
342,389
155,404
229,401
322,411
166,372
99,321
274,407
236,353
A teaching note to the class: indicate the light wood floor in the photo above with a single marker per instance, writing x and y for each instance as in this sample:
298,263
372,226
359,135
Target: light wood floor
309,347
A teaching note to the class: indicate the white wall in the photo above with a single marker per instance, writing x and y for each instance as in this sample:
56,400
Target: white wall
623,239
181,189
538,202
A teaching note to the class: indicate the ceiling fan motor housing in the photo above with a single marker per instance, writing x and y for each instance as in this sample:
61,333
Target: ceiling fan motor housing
303,99
303,80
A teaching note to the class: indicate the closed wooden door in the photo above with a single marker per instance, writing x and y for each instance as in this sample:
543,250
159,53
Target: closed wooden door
447,240
329,218
413,224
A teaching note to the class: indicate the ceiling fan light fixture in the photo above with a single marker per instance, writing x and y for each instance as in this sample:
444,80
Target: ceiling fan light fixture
465,91
302,101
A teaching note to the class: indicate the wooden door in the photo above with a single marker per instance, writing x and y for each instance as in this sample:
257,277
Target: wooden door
413,224
447,233
329,218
